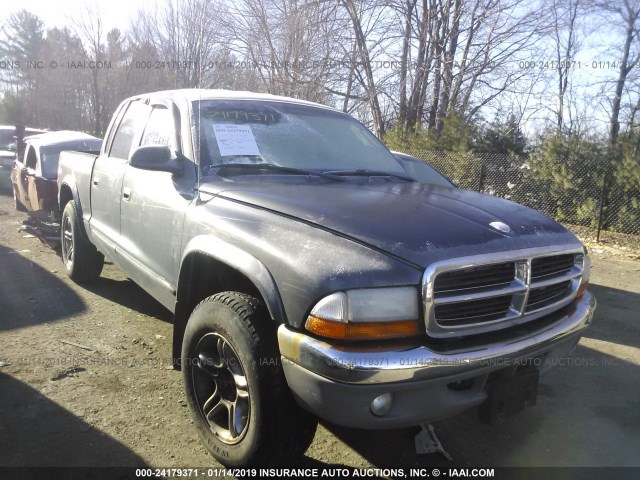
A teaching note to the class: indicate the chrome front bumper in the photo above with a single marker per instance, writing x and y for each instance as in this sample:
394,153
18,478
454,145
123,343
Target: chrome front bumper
339,382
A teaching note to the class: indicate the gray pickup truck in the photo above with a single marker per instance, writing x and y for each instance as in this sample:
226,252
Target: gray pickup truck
311,276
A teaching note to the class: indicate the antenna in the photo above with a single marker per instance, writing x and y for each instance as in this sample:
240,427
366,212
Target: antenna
199,146
200,68
201,51
177,52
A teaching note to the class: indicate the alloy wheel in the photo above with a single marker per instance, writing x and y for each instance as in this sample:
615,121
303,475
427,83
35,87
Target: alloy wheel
221,390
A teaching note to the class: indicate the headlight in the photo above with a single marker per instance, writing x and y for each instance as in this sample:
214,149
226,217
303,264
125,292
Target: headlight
368,314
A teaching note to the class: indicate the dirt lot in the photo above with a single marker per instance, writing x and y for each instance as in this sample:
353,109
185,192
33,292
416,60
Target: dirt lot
115,402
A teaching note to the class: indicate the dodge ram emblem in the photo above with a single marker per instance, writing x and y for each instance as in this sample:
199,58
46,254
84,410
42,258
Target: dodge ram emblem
501,226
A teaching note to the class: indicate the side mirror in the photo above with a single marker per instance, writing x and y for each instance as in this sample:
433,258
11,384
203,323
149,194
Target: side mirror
157,158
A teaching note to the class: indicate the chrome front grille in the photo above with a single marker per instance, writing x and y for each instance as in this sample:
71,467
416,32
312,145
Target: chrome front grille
482,310
554,265
475,277
483,293
540,297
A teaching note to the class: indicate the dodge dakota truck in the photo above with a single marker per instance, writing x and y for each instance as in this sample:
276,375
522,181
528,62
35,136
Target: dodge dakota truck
310,276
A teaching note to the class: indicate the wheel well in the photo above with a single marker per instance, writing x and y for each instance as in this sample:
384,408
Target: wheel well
200,277
65,197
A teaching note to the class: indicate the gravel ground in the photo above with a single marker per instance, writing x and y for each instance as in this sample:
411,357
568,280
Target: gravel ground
84,381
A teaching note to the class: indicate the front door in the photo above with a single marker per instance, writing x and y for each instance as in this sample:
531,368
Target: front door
152,212
108,173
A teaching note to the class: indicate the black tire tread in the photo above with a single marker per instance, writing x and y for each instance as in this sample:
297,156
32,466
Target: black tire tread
88,261
282,444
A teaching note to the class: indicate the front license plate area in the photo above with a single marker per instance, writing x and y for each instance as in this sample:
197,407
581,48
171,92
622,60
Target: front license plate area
509,395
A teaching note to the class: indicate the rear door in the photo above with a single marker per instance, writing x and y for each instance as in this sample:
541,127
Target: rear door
153,209
108,173
21,173
42,192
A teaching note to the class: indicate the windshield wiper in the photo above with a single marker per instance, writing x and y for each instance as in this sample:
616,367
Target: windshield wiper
276,168
363,172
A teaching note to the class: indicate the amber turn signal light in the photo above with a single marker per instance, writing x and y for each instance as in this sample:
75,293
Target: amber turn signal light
362,330
581,289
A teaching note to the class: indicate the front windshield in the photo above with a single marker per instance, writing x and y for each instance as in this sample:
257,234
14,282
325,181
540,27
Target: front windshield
286,135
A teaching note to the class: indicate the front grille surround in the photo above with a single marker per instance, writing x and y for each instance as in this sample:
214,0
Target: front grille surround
535,273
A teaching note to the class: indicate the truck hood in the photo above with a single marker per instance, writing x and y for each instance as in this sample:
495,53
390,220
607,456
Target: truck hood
415,222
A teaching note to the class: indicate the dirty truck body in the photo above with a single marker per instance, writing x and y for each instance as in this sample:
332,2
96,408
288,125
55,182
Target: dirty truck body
304,269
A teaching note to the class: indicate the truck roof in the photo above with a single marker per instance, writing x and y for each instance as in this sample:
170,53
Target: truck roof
60,137
194,94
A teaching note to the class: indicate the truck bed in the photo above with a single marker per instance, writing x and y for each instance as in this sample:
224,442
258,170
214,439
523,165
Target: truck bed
79,166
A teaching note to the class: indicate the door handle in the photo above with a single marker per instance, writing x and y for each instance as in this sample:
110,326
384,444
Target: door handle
96,181
126,193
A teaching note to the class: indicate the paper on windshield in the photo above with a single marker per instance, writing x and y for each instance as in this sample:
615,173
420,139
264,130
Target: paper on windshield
235,140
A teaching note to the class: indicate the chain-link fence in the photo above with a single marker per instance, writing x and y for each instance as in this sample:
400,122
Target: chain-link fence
595,199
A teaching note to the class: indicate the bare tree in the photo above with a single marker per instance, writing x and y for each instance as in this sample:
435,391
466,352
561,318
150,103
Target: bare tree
285,44
627,14
450,57
364,57
564,16
453,16
456,56
184,37
88,26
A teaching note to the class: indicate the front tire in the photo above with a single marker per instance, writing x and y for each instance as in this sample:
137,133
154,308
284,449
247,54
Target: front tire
236,391
81,259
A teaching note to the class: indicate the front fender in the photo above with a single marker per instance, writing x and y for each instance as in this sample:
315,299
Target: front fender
234,258
243,262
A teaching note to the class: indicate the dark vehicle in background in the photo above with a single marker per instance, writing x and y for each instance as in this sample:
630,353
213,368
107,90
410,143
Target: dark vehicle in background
34,177
9,143
421,171
309,275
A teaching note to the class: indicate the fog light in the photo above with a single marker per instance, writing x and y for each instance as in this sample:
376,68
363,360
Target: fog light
382,405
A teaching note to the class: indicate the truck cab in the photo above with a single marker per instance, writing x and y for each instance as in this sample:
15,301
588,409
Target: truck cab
311,276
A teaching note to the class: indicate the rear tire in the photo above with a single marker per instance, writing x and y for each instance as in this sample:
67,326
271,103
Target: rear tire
239,399
81,259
